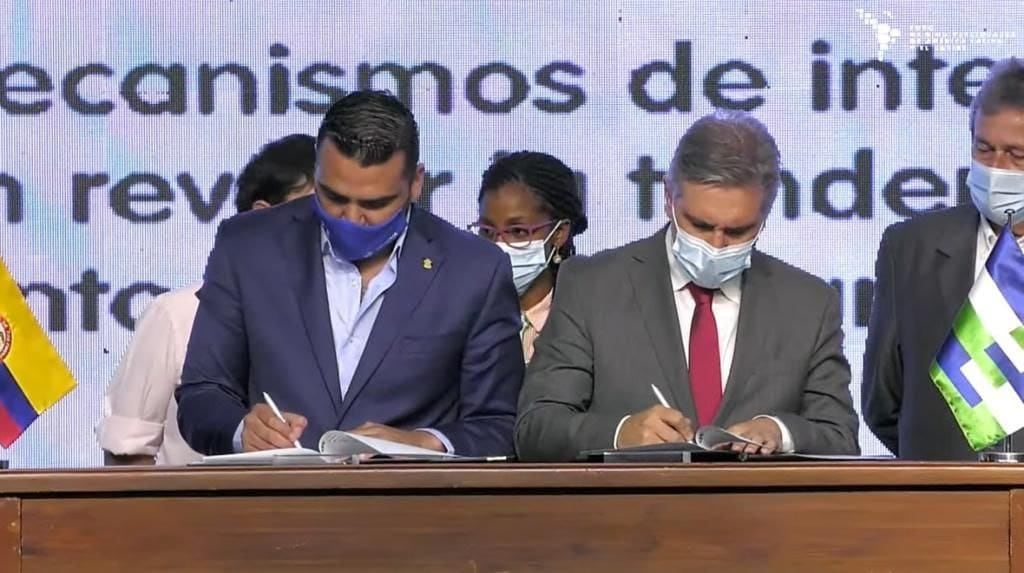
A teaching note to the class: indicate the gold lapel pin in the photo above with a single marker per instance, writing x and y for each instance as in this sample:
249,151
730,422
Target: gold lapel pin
428,264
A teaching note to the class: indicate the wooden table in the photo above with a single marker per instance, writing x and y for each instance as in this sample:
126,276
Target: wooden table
510,518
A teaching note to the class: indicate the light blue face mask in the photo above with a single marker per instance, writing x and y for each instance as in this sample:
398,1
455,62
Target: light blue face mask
529,259
996,191
706,265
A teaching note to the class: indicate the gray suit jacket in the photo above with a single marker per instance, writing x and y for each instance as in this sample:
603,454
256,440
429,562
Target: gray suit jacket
613,331
924,272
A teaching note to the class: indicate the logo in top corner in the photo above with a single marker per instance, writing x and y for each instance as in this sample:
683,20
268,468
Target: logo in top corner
5,338
893,32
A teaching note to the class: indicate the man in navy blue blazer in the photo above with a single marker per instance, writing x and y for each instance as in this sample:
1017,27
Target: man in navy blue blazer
354,310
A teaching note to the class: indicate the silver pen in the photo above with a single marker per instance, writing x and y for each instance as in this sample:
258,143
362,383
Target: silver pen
277,412
660,396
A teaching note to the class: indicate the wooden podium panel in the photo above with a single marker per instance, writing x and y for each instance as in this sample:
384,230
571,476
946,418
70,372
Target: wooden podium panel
786,518
884,531
10,534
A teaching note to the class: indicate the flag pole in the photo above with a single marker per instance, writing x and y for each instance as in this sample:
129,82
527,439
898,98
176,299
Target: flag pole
1006,453
1008,442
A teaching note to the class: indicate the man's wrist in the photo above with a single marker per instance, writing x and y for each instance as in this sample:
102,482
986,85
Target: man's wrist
615,438
428,441
785,437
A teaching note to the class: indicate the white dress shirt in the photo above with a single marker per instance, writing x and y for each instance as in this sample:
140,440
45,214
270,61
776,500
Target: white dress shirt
726,308
140,415
986,241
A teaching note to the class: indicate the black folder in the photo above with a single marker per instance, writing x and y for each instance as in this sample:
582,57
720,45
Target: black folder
692,453
661,453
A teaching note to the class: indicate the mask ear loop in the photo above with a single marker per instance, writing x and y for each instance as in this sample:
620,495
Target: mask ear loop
554,252
675,223
764,225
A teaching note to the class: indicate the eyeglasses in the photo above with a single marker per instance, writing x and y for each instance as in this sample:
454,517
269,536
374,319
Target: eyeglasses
515,236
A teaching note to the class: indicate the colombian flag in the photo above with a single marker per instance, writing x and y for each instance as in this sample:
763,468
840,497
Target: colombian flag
33,376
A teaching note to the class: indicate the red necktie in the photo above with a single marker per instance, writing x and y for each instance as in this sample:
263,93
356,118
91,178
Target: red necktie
705,365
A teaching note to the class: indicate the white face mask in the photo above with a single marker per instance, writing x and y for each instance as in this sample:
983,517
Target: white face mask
996,191
529,259
710,266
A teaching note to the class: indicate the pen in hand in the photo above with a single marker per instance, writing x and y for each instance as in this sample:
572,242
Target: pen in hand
657,394
664,402
277,412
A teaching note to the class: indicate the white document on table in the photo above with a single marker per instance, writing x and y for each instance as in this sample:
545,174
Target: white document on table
334,443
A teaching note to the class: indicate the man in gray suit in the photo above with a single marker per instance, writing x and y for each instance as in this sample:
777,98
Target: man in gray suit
924,272
728,335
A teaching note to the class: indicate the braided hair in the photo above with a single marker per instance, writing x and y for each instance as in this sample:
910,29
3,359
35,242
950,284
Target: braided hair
550,180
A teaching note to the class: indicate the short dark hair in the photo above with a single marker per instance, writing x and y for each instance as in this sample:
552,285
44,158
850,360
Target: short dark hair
370,127
280,168
550,180
730,148
1003,88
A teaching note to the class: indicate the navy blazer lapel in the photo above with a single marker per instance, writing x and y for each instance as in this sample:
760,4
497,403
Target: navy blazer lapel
652,285
755,320
310,287
418,263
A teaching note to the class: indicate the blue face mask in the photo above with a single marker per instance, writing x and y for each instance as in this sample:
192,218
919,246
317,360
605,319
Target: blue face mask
353,242
709,266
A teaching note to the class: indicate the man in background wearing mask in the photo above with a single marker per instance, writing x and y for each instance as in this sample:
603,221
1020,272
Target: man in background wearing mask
924,272
728,335
354,310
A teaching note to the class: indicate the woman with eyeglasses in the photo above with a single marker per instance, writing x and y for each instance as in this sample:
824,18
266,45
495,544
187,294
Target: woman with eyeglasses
530,207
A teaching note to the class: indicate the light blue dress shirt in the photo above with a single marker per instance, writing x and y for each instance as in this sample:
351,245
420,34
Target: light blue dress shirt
353,314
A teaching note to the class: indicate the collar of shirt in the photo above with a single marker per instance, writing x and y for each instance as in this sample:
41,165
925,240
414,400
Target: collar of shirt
986,241
731,289
396,251
353,306
987,236
537,315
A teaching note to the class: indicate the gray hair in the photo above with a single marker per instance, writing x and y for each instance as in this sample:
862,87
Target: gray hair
1002,88
728,148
